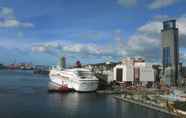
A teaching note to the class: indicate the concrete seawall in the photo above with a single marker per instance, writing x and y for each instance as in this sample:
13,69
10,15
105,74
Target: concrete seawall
157,108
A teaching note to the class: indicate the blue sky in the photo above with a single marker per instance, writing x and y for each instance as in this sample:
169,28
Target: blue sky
92,31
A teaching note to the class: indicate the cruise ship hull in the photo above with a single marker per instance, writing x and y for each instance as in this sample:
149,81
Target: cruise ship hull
86,85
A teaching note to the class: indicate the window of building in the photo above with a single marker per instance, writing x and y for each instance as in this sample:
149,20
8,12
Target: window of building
169,24
166,56
119,74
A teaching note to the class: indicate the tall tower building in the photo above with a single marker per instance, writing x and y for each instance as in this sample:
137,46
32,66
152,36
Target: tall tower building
170,50
62,62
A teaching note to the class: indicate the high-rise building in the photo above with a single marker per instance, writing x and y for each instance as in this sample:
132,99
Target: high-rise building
62,62
170,50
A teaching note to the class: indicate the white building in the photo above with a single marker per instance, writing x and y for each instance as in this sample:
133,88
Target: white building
124,73
147,73
134,70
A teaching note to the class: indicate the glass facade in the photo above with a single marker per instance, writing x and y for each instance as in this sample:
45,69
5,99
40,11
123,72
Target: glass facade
169,24
166,56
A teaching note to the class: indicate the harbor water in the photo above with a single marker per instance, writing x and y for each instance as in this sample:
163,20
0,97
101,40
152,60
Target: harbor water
24,95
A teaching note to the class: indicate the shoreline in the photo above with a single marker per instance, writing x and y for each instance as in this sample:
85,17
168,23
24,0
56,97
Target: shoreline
153,107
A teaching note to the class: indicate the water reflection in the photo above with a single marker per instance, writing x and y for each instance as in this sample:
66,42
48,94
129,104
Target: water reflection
93,105
24,95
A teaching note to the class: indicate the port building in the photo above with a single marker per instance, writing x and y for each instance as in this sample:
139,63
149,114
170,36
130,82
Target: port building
135,71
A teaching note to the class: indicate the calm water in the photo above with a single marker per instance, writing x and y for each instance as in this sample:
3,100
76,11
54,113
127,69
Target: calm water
24,95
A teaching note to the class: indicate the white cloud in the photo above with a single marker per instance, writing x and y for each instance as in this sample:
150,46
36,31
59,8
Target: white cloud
6,12
142,41
45,47
9,20
75,50
154,27
181,23
156,4
39,48
147,41
9,23
151,27
127,3
143,45
78,48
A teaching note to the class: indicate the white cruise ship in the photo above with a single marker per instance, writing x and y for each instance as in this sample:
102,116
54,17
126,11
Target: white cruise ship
78,79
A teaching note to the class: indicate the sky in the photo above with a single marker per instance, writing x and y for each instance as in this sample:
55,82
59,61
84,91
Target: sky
92,31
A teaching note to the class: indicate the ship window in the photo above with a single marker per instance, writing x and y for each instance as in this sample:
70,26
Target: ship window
84,74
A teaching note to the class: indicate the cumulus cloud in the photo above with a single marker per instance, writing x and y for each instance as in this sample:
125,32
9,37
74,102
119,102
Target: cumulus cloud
9,20
45,47
142,45
156,26
80,48
156,4
73,48
52,49
142,41
151,27
127,3
147,41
